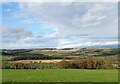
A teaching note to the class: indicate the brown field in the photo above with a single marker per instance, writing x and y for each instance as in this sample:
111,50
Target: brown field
38,61
60,50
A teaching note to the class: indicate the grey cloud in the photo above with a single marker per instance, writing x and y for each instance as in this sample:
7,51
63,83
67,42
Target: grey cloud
24,38
15,34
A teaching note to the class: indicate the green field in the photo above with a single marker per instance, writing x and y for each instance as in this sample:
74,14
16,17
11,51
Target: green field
62,75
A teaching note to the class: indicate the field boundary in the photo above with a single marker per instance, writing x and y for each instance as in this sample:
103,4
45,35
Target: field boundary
60,83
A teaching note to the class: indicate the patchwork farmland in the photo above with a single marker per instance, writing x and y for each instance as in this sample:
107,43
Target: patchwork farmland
76,65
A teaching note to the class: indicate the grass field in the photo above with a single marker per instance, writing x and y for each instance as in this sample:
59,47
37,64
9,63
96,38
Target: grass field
51,53
62,75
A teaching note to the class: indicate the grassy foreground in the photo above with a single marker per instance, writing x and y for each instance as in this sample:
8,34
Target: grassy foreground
62,75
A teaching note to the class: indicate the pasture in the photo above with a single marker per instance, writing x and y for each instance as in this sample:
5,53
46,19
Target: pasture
87,65
59,75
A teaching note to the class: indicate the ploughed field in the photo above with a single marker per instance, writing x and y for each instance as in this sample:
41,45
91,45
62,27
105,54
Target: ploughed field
59,75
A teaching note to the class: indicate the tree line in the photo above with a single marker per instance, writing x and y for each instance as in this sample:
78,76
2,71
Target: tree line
86,63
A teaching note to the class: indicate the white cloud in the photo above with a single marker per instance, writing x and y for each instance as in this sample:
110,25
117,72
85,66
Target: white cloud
28,21
88,44
15,38
69,21
60,1
72,18
101,18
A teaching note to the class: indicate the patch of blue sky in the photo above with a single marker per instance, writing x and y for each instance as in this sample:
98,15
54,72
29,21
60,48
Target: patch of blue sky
8,8
7,14
11,22
36,29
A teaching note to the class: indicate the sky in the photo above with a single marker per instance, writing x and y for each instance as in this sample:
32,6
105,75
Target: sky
59,24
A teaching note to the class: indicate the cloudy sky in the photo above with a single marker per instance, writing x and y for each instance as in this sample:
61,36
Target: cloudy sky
59,24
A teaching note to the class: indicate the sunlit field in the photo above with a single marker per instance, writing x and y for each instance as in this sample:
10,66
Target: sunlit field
62,75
